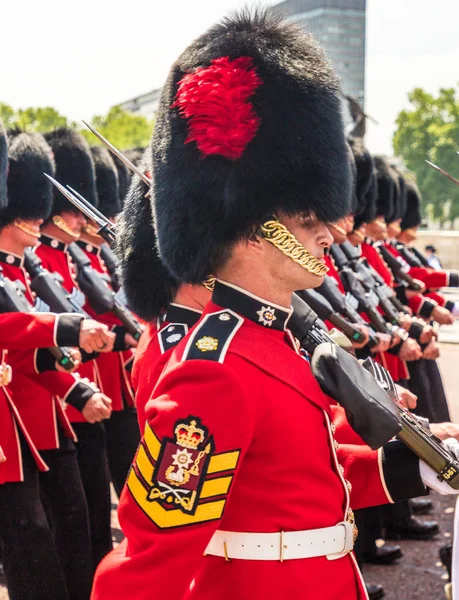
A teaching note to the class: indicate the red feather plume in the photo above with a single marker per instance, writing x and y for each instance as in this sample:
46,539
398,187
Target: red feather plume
215,101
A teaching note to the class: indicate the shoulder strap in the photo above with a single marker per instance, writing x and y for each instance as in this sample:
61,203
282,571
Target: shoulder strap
212,337
171,335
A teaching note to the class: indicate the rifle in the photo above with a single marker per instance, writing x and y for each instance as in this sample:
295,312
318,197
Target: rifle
397,269
323,308
48,286
12,299
409,256
99,295
373,282
111,262
344,379
353,285
343,305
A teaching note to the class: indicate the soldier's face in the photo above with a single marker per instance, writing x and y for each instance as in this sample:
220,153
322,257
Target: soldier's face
76,221
377,229
338,231
315,237
26,232
393,229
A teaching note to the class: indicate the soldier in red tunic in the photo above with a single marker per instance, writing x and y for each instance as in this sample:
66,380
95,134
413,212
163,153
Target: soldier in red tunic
75,167
238,488
39,561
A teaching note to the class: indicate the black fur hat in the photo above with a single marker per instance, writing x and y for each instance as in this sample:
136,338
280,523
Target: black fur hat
30,193
149,287
365,190
386,189
74,167
124,178
108,198
3,167
400,203
354,203
412,216
249,125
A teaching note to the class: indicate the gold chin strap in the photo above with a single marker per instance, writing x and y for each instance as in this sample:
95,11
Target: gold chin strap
90,230
359,235
62,224
279,236
23,226
338,228
209,283
380,223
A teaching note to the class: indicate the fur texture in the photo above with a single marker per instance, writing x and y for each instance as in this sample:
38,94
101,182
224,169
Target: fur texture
149,287
3,167
106,182
74,167
365,186
296,161
30,193
412,216
386,189
124,178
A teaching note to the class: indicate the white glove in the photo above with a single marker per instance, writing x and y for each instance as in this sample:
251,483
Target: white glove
429,476
455,310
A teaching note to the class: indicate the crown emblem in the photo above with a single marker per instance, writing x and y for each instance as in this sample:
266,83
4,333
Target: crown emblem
188,435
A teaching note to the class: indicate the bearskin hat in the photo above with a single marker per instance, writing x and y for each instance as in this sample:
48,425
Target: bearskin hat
108,198
249,125
124,178
3,167
354,203
149,287
386,189
74,167
30,193
412,216
400,200
365,167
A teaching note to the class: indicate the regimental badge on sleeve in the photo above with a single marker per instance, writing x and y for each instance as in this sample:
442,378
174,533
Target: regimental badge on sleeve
181,480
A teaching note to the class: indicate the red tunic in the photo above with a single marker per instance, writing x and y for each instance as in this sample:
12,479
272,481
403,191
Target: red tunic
55,259
39,397
19,331
153,352
267,460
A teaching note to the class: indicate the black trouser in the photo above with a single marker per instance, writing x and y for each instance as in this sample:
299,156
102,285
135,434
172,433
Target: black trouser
30,560
92,460
65,501
123,438
369,524
426,383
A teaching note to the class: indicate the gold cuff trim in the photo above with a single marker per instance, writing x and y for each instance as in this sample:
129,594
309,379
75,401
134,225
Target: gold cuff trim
62,224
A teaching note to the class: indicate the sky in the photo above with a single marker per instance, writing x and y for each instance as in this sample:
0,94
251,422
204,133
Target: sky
84,57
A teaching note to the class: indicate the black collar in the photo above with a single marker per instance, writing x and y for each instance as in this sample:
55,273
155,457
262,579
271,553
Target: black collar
177,313
251,307
87,247
11,259
53,242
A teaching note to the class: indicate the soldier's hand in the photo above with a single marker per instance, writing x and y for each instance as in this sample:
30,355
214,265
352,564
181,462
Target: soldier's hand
442,316
130,341
2,455
76,358
363,329
384,343
432,351
95,337
406,398
428,333
421,285
405,321
97,408
445,430
410,350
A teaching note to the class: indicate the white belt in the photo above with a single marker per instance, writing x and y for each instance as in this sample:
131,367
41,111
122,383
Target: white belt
332,542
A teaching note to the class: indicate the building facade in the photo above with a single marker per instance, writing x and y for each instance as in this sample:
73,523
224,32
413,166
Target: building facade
339,26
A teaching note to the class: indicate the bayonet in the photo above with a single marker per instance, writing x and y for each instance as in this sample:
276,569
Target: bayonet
131,166
443,172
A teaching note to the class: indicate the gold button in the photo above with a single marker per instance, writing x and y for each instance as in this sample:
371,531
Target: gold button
349,485
333,428
341,469
335,443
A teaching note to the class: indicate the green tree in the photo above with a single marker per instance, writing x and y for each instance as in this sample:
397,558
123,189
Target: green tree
429,129
123,129
32,119
6,115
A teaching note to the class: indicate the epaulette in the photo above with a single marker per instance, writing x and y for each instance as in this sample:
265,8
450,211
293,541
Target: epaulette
171,335
212,337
